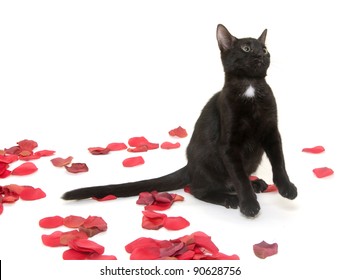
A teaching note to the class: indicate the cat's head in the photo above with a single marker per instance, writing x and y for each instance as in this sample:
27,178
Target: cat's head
246,57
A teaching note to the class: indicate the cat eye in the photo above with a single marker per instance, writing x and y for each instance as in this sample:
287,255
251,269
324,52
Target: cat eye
265,50
246,48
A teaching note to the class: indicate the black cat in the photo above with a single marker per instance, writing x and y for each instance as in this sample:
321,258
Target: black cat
234,129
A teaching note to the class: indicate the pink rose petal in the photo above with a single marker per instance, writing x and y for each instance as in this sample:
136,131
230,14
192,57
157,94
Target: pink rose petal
263,250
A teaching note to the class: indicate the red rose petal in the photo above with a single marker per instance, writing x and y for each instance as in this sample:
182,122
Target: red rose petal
271,188
147,253
133,161
116,146
95,256
25,169
98,151
29,157
8,158
142,141
61,162
93,225
263,250
77,168
145,198
52,240
314,150
169,145
72,254
15,188
27,145
179,132
187,189
203,240
1,208
323,172
51,222
107,197
5,174
32,194
141,242
86,246
68,236
73,221
176,223
152,220
44,153
138,149
13,150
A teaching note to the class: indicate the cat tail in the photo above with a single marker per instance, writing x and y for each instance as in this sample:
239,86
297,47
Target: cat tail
173,181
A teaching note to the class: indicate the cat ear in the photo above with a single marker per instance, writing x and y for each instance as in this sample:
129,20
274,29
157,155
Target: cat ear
262,37
224,37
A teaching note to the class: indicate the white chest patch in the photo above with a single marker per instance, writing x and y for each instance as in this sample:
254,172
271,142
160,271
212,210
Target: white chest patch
250,92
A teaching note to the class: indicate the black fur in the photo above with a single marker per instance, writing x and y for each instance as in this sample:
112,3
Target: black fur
229,139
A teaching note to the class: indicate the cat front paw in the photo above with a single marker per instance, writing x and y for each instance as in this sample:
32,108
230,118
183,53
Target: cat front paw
290,191
231,201
259,185
250,208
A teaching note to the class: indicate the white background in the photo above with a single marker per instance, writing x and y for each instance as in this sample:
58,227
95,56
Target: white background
78,74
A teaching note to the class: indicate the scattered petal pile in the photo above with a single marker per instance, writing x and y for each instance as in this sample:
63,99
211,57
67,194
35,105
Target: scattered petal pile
154,221
80,248
197,246
158,201
12,193
23,151
263,250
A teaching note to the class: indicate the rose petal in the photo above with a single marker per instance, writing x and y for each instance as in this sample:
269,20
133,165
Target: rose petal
323,172
72,254
32,194
138,149
142,141
13,150
52,240
93,225
8,158
61,162
27,145
147,253
203,240
73,221
169,145
152,220
145,198
1,208
5,174
179,132
51,222
107,197
77,168
271,188
86,246
116,146
95,256
176,223
314,150
133,161
98,151
141,242
25,169
68,236
263,250
45,153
